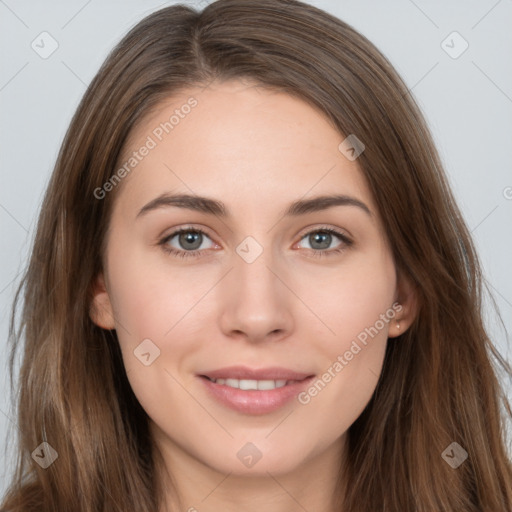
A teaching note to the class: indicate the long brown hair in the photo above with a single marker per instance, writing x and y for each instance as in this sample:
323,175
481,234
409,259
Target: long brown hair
439,383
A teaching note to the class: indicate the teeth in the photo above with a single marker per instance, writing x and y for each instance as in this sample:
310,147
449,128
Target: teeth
246,384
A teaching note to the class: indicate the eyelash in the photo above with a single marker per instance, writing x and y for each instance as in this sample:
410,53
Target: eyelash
316,253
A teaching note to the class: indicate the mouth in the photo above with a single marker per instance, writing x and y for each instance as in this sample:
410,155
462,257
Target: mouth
254,392
252,384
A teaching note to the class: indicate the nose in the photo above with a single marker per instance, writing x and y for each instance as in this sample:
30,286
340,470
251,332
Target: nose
256,304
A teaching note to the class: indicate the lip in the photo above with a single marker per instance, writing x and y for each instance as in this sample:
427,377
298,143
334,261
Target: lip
255,402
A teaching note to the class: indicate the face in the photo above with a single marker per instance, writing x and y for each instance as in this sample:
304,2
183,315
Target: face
294,301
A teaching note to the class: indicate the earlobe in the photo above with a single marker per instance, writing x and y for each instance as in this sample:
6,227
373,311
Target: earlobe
407,298
100,310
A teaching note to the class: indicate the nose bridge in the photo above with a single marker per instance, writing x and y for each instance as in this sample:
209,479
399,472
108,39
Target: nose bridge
257,302
252,269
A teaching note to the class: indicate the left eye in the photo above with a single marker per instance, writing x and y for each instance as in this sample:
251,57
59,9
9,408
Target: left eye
322,238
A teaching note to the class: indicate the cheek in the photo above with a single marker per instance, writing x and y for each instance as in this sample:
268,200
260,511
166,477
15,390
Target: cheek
161,303
349,298
150,297
356,309
151,306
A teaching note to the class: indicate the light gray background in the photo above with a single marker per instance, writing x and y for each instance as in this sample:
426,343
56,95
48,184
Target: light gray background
467,102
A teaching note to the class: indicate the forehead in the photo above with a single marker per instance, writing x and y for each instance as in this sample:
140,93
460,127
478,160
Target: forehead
241,142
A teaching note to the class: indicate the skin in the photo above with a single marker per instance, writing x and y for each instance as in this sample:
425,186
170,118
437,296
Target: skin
257,151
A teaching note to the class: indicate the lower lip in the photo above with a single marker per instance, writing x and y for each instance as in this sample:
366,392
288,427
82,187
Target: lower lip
255,401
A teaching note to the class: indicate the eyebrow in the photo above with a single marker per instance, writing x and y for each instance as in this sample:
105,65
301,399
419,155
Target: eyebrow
218,208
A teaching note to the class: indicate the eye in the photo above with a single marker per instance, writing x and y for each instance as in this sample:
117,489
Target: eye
321,239
190,240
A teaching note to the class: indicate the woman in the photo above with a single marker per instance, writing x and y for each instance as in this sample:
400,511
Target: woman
248,370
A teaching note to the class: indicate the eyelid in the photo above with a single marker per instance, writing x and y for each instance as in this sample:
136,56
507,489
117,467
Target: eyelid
320,227
182,227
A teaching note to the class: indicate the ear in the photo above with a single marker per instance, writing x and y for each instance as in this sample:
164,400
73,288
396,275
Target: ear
101,311
407,296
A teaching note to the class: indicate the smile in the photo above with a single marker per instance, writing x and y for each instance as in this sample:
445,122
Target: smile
246,384
252,395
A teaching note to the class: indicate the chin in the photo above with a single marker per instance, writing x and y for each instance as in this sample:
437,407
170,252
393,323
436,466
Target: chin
256,459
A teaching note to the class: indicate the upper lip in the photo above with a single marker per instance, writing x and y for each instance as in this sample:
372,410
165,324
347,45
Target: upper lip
246,373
